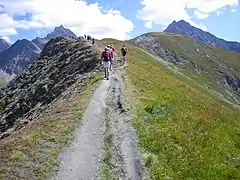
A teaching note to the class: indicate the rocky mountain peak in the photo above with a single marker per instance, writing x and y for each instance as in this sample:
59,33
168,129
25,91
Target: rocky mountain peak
60,31
184,28
24,52
179,23
21,42
60,27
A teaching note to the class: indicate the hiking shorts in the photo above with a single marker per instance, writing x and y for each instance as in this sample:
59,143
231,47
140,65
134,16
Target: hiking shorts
124,58
106,64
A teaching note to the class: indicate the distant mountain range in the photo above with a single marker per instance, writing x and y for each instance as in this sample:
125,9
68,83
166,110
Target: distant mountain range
4,45
14,58
184,28
18,56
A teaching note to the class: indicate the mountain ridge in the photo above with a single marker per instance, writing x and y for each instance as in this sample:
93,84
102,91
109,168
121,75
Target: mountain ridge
215,68
181,125
184,28
45,80
23,52
4,45
11,65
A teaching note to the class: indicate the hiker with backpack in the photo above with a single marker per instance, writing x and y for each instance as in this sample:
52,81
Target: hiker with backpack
110,51
124,54
106,58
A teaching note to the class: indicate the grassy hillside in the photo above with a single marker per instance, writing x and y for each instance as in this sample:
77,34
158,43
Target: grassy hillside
215,68
185,131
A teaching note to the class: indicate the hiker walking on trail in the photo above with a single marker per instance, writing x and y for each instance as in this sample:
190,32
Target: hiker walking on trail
110,51
93,41
106,58
109,47
124,54
89,37
113,50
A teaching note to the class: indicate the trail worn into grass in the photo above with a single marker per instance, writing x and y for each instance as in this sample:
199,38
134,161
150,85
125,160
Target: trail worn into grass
81,160
104,146
122,159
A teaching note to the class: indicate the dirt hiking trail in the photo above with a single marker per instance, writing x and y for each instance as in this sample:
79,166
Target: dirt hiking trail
104,144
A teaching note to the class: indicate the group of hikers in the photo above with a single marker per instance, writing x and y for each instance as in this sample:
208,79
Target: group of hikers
88,37
108,56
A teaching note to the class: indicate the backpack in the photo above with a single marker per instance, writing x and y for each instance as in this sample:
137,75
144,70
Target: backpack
124,51
105,56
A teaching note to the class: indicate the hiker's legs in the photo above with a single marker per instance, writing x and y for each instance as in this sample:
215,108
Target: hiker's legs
105,72
124,59
110,65
106,65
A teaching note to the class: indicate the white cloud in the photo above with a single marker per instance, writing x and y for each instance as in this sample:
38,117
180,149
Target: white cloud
148,24
6,38
8,22
218,13
200,15
79,16
233,10
7,31
39,32
164,12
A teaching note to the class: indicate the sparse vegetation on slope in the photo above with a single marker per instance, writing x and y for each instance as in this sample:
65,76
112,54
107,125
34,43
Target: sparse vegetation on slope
62,63
108,159
32,152
185,131
41,108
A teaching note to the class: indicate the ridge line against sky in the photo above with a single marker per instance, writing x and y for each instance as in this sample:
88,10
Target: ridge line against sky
120,19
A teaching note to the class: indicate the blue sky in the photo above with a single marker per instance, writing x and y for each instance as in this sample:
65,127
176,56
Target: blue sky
124,18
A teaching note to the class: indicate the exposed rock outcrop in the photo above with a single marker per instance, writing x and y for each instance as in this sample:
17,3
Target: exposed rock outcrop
62,63
155,47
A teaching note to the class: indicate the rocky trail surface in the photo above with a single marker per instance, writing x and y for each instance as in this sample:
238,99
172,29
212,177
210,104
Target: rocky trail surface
104,145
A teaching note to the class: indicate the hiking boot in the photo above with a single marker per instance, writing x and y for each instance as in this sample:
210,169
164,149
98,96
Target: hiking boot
107,78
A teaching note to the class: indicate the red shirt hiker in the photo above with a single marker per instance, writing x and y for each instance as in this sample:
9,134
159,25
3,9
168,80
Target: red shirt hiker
109,55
